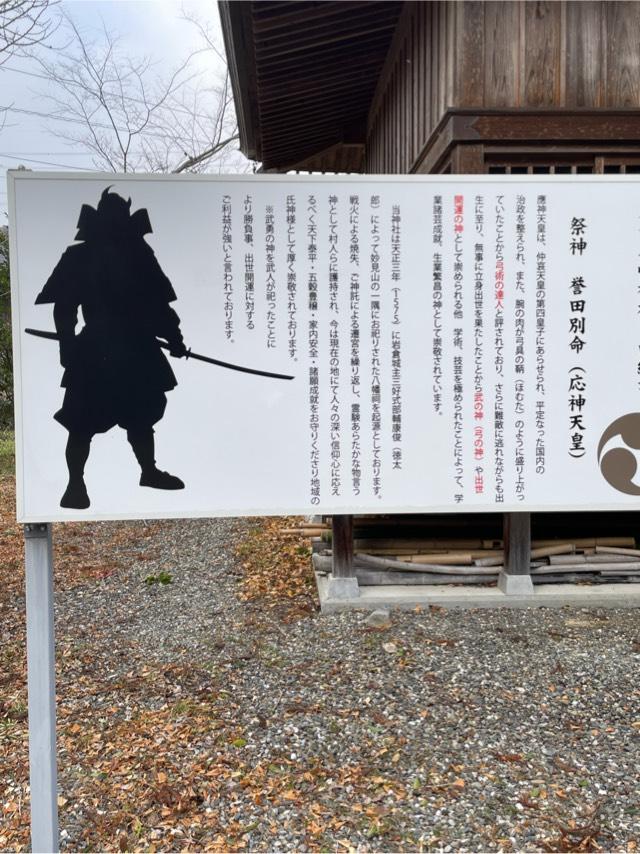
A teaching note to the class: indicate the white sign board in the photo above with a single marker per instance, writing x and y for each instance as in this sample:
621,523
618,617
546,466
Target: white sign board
439,343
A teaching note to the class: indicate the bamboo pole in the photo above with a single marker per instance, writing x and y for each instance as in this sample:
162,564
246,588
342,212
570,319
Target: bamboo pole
494,560
394,565
368,577
619,568
568,560
363,543
560,560
307,532
542,551
549,551
589,542
445,559
606,573
612,550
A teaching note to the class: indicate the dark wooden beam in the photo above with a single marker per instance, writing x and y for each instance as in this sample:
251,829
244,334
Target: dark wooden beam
468,160
351,27
515,578
544,130
342,546
326,13
294,49
517,543
237,32
279,106
310,82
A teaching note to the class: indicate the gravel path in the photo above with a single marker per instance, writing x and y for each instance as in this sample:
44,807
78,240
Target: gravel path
470,730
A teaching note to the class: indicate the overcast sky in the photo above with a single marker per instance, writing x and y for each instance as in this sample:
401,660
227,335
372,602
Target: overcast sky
146,27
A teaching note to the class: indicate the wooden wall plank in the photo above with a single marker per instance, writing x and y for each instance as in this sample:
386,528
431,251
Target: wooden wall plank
452,59
402,118
422,79
433,56
502,54
407,92
397,137
468,88
535,53
417,61
623,54
441,36
401,138
393,136
584,52
542,60
435,49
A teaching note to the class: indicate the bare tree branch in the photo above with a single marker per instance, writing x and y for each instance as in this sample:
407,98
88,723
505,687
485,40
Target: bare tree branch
191,162
23,25
132,119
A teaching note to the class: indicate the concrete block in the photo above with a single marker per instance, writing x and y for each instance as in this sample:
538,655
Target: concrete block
342,588
515,585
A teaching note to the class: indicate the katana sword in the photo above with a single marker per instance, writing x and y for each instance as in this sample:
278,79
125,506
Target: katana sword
53,336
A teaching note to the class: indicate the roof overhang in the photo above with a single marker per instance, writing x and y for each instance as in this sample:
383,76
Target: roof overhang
303,76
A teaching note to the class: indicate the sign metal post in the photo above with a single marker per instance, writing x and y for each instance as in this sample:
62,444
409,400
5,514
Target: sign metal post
42,687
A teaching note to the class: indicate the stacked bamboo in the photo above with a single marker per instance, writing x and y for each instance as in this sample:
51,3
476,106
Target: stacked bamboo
480,562
429,560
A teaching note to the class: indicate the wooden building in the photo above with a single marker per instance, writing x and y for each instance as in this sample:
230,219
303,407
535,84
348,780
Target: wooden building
441,87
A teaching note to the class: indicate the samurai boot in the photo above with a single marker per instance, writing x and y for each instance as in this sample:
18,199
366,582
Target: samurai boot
142,442
77,453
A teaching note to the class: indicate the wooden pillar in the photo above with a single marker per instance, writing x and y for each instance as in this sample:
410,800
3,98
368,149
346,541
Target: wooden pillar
342,583
515,578
342,546
517,543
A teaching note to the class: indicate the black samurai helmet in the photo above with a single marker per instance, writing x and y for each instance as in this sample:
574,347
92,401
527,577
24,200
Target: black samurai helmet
112,217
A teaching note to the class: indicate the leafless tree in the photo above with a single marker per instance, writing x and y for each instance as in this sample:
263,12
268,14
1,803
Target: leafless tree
130,117
23,25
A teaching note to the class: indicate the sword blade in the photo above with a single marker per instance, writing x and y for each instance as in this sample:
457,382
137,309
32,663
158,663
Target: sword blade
40,333
53,336
231,367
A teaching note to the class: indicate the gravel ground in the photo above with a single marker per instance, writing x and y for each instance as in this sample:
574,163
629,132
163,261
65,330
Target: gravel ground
469,730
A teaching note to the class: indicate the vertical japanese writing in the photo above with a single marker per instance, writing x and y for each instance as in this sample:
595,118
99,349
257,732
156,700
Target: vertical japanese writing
314,429
334,405
227,266
270,270
577,333
437,332
313,347
249,270
437,221
478,349
498,347
375,301
637,272
541,328
396,338
436,280
519,363
334,350
458,316
354,320
333,254
292,277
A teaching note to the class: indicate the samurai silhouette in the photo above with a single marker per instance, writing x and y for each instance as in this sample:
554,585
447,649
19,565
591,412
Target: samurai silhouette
115,373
